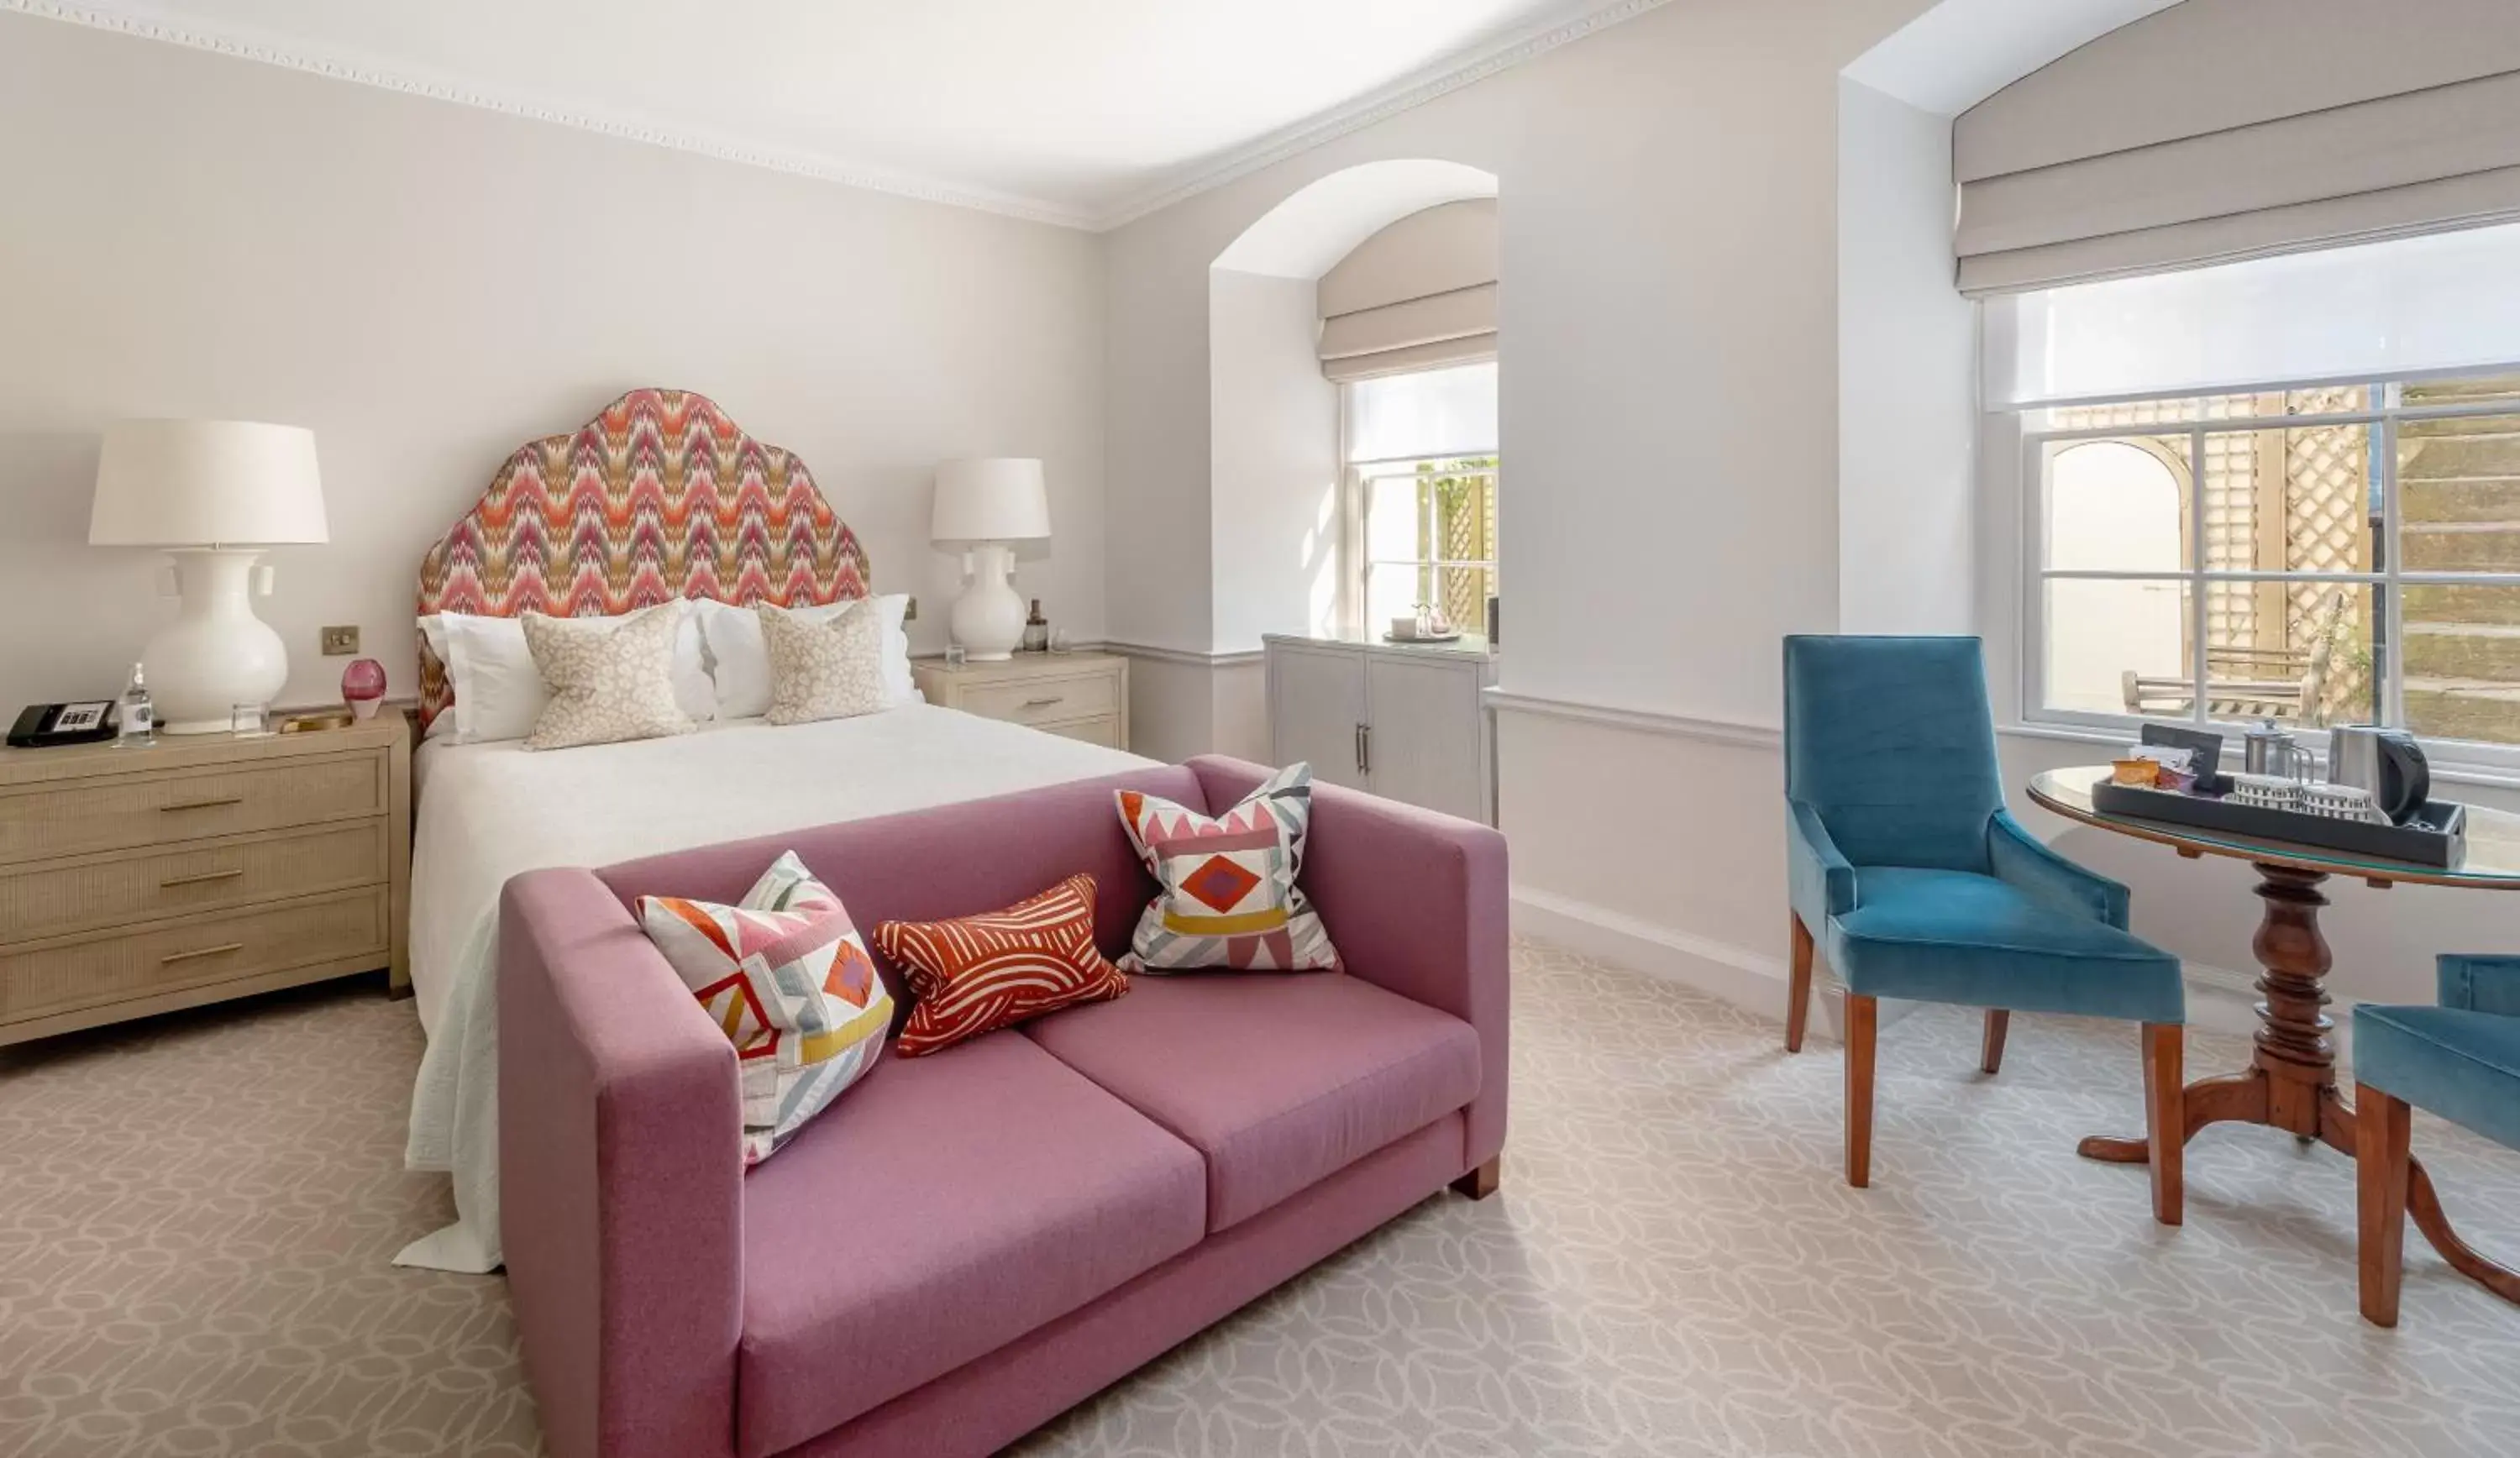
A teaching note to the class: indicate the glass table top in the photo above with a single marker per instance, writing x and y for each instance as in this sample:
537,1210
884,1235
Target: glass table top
2493,860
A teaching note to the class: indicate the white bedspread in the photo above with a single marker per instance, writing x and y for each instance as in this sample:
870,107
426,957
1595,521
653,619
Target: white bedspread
488,812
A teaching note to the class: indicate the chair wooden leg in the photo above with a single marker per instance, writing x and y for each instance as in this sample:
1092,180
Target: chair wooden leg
1798,990
2380,1176
1863,1022
1482,1181
2165,1119
1991,1054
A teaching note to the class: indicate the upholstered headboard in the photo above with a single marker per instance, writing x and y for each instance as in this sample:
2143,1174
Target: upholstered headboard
659,496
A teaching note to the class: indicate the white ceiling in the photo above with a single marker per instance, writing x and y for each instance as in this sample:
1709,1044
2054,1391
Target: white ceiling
1079,111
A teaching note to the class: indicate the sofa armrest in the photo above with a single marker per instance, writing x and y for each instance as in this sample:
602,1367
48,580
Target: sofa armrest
1416,903
621,1167
2481,984
2024,862
1820,883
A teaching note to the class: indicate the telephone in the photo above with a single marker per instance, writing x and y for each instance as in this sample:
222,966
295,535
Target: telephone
41,726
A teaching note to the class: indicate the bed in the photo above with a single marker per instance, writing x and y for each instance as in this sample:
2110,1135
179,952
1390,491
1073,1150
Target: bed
659,496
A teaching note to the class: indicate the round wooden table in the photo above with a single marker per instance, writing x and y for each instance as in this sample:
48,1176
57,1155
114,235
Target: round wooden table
2290,1082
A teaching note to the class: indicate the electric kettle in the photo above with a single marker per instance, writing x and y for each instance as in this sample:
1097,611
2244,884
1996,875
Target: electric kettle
2387,764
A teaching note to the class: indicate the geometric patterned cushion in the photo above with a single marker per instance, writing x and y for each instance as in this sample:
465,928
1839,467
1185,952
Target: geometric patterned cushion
976,974
787,976
1227,893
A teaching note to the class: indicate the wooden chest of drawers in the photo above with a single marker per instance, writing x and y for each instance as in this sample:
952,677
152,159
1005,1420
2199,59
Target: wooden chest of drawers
135,881
1078,695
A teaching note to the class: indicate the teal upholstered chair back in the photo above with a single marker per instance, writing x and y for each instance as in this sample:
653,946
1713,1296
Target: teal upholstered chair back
1891,742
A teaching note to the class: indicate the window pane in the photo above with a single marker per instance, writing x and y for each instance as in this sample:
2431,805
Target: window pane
2473,389
2117,506
1392,589
2458,485
2462,662
1395,520
2309,658
1432,413
2319,400
2119,647
2295,499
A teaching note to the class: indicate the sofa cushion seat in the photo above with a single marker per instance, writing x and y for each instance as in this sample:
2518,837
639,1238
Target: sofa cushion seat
1279,1079
940,1210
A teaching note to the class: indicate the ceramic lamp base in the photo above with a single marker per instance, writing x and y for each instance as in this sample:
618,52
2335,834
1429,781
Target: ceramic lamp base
988,619
216,654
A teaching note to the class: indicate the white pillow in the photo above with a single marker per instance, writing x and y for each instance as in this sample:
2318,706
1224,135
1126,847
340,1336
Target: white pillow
499,694
740,661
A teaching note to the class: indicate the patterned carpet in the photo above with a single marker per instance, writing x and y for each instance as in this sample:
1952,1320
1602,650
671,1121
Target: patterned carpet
195,1218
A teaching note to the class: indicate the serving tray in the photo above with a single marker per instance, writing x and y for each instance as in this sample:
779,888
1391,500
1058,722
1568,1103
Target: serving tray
2436,837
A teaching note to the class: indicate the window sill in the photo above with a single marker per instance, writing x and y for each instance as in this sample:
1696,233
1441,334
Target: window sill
2444,772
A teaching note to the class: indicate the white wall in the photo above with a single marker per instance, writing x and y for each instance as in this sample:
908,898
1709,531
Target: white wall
1668,222
428,285
1907,377
1273,463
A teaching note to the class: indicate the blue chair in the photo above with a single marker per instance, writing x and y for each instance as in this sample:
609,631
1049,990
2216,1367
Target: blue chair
2461,1060
1905,867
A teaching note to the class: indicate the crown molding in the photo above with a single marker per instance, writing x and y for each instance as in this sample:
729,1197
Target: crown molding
135,18
129,18
1407,94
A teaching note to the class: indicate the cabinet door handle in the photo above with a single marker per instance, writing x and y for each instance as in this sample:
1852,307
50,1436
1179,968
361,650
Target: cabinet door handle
1365,749
1044,703
172,882
222,950
201,804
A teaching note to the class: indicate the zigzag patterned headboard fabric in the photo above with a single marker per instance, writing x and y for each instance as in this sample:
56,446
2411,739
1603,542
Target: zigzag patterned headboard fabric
659,496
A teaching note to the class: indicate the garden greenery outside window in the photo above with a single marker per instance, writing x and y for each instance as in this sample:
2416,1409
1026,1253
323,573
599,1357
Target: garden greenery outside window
1420,496
2318,554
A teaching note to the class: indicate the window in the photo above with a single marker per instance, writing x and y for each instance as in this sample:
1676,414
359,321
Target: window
2317,554
1421,496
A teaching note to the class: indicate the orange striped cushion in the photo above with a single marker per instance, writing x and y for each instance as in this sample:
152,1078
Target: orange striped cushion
976,974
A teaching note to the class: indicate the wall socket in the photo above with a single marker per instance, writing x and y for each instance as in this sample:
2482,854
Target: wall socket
338,641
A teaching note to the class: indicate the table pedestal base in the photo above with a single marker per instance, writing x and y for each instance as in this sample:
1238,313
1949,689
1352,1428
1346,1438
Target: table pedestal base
2291,1080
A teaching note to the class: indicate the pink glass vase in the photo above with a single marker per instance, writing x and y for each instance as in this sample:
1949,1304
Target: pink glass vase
363,687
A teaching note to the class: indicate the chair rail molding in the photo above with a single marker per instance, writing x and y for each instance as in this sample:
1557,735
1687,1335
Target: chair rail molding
1739,734
1186,658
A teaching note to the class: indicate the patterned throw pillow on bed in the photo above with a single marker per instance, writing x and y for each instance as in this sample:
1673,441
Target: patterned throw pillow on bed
1228,896
832,669
610,678
976,974
784,973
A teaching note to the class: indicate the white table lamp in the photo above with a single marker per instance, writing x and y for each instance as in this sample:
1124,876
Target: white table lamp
983,508
213,493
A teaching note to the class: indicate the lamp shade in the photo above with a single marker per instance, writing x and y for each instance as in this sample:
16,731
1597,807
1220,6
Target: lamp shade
999,499
201,484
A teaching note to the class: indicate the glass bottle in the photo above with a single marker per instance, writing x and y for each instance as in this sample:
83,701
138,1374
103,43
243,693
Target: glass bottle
136,719
1036,633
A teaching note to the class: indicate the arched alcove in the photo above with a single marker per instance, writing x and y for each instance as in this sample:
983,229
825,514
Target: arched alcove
1274,415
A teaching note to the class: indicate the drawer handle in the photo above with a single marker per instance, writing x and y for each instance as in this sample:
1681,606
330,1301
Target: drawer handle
1044,703
172,882
201,804
222,950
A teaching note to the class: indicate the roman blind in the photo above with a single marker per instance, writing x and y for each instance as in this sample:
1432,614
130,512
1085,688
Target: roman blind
2219,130
1420,295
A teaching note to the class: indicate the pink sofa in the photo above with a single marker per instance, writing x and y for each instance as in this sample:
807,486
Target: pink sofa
970,1243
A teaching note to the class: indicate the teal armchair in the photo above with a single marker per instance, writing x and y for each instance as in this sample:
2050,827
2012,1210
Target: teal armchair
2461,1060
1906,872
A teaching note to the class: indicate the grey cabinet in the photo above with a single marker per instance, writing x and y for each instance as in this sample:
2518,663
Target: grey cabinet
1401,720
